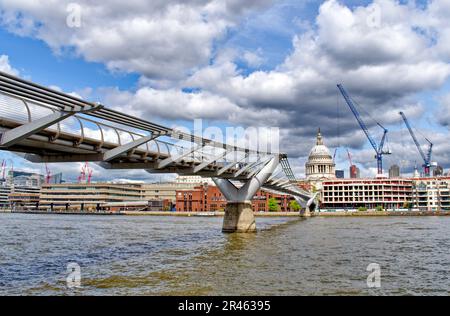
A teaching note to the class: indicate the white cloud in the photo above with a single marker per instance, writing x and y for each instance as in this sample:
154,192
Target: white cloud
6,67
159,39
443,114
253,59
174,104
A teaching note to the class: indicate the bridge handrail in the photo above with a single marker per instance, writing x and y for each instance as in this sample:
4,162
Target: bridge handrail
31,91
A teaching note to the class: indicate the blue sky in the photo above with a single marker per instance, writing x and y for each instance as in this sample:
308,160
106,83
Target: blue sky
245,47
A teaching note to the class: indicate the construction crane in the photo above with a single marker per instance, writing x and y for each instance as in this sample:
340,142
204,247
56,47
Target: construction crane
352,169
85,170
349,158
334,156
426,157
379,151
82,176
3,168
48,174
89,175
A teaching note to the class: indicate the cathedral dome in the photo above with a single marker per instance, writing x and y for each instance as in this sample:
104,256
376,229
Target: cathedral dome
319,150
320,164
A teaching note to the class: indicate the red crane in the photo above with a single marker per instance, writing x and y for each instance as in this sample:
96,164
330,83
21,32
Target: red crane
48,174
85,170
82,175
90,175
353,169
349,158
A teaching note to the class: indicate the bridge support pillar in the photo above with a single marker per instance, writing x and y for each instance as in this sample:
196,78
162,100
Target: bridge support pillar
239,217
309,207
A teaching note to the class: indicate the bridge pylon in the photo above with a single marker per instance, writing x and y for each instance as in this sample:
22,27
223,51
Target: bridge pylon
309,207
239,216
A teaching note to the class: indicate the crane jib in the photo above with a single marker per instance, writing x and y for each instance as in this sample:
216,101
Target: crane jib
426,157
378,149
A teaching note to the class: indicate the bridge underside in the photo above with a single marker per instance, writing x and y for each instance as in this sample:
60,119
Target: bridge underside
50,146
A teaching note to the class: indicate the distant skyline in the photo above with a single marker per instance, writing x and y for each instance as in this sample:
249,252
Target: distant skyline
242,63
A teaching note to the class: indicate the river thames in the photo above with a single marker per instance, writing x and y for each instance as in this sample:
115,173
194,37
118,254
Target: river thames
147,255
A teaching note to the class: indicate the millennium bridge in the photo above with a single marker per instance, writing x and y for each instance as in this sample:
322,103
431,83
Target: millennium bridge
47,126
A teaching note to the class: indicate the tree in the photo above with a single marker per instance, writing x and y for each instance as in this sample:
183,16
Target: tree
273,205
379,208
294,206
362,209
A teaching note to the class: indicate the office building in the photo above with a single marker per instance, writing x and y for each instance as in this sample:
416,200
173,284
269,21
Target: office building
394,171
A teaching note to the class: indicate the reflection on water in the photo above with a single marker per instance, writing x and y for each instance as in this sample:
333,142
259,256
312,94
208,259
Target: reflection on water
190,256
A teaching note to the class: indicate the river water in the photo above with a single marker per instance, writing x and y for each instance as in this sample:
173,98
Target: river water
125,255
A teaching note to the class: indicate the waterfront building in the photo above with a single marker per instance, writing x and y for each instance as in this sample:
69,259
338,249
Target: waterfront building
141,206
196,180
88,196
394,171
30,179
15,196
208,198
167,190
320,165
432,194
367,193
4,193
33,180
25,197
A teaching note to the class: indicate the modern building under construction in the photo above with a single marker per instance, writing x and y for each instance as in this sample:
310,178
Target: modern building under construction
423,194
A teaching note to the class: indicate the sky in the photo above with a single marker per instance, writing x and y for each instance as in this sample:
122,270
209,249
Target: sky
246,63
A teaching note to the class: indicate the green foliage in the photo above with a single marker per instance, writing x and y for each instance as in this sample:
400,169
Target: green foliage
407,205
379,208
294,206
273,205
362,209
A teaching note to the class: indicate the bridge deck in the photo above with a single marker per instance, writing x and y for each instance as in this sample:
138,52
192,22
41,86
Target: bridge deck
49,126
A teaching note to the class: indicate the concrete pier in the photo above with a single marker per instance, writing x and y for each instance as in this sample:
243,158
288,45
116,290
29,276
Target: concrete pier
305,212
239,218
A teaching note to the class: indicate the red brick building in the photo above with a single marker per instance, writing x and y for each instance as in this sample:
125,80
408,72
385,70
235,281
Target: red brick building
209,199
